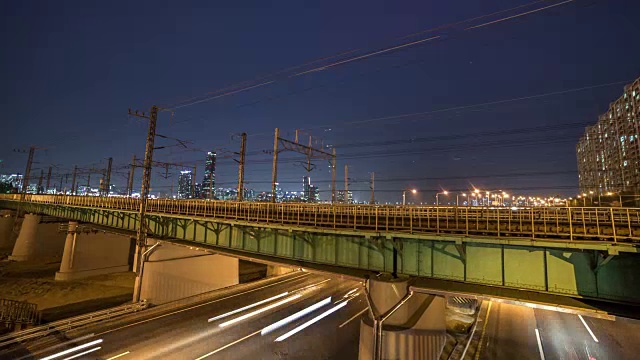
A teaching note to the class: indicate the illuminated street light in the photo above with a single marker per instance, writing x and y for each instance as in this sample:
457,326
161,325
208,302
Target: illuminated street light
404,195
445,192
457,201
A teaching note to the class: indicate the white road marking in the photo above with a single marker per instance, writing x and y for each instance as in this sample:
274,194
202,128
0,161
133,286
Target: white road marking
539,344
295,316
248,307
311,322
50,348
79,347
484,329
204,304
353,317
120,355
228,345
589,330
83,353
259,311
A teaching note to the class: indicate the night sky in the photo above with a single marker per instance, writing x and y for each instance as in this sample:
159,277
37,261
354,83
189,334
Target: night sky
70,70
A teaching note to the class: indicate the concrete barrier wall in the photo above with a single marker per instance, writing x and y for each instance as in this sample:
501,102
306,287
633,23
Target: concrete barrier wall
175,272
416,330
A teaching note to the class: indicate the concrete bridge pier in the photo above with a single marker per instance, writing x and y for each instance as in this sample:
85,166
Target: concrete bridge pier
38,239
401,324
171,272
89,252
7,222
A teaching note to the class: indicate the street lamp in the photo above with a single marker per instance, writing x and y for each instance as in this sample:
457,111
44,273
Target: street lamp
457,201
443,193
404,195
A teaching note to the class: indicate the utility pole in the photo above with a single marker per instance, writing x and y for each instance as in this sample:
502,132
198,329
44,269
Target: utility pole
193,182
48,180
333,176
243,147
131,175
346,184
27,172
40,181
73,180
107,180
372,187
274,170
141,235
88,189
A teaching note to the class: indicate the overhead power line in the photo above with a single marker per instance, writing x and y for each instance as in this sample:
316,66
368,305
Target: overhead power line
272,78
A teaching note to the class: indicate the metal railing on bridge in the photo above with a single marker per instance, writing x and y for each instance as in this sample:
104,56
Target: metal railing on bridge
561,223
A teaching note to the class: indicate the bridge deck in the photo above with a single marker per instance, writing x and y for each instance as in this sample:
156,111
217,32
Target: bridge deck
559,223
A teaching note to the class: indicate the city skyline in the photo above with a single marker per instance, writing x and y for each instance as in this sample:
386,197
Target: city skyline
398,115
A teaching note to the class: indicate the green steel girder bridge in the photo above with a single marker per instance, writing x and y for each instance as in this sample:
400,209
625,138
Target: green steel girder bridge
565,252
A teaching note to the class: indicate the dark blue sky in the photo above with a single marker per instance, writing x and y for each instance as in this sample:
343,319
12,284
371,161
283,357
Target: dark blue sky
70,70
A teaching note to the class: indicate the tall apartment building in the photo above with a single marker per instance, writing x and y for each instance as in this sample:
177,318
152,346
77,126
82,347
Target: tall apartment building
208,185
185,182
609,152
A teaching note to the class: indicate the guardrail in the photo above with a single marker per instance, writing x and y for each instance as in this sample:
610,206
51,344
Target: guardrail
70,323
18,312
591,223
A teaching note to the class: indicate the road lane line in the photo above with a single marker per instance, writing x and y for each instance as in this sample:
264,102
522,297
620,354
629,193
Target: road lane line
539,344
311,322
65,352
484,329
353,317
248,307
265,301
260,311
588,329
83,353
299,314
56,346
120,355
228,345
203,304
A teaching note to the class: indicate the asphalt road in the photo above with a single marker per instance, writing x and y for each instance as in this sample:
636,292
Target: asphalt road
188,333
512,332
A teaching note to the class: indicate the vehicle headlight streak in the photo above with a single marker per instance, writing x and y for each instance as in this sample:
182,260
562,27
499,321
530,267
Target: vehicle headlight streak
83,353
68,351
312,321
248,307
295,316
256,312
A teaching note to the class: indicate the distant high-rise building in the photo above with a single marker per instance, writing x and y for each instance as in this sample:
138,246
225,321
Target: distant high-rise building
209,181
314,194
343,198
197,191
306,188
609,151
185,190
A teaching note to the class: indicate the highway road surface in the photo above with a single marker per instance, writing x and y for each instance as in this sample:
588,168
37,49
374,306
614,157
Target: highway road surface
299,316
519,332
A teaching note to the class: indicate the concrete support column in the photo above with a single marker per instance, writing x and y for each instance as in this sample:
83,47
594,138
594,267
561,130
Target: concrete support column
412,325
26,247
69,248
93,253
7,221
